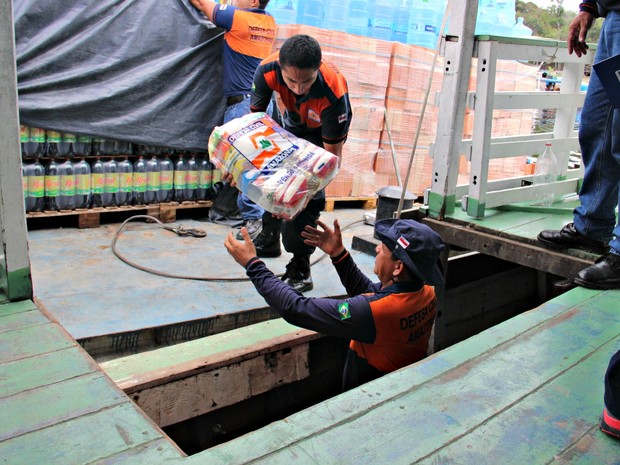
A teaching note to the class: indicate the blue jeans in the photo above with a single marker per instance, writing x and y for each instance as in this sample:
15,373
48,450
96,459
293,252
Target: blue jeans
599,137
248,209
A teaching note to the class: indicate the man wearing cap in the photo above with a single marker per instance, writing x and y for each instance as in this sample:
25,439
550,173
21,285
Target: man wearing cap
388,323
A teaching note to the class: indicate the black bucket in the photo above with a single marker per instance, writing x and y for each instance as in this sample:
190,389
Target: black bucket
388,200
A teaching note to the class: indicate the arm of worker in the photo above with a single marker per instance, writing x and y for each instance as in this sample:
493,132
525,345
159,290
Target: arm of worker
336,120
207,7
579,27
330,242
349,319
261,92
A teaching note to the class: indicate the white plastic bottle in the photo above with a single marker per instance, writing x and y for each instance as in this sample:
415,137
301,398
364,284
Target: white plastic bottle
546,172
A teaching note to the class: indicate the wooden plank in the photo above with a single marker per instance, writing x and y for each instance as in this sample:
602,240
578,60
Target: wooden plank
86,439
166,364
16,307
44,369
32,340
21,320
196,395
458,392
368,203
34,409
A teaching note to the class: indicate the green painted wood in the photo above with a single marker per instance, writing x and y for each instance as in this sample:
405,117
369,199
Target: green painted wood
32,340
154,452
240,340
21,320
16,307
59,402
84,440
458,399
44,369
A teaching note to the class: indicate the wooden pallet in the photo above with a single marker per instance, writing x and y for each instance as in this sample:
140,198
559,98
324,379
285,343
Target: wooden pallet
368,203
91,217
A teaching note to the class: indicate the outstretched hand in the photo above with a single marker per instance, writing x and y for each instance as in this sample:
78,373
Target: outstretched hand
241,251
328,240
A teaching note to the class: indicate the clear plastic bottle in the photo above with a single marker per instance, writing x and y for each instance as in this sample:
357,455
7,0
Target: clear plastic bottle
52,186
35,172
423,24
546,172
205,178
152,180
180,178
23,141
520,29
486,20
191,179
139,181
310,12
36,142
25,185
54,138
283,11
82,146
359,15
66,173
65,146
97,182
110,183
82,184
401,22
336,15
166,173
381,23
125,182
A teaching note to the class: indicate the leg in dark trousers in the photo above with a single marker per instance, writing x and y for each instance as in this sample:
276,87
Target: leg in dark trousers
610,422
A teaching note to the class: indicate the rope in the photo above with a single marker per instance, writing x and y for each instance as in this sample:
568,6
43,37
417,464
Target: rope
182,276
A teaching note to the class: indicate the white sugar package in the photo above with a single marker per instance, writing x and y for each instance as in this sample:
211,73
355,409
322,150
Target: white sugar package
277,170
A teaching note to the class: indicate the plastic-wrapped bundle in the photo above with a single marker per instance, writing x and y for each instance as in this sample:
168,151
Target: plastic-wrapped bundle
277,170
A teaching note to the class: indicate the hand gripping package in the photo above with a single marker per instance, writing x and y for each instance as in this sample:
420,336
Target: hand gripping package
277,170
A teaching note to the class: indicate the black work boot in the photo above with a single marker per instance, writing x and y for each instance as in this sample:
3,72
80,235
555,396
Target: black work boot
569,237
298,273
267,243
604,274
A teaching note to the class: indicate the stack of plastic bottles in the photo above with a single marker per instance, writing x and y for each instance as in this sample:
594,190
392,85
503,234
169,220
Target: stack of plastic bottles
277,170
416,22
63,172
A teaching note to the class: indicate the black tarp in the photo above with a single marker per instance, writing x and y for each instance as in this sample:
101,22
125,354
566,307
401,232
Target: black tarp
144,71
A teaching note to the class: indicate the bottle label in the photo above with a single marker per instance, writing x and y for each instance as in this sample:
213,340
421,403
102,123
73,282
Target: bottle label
84,139
52,185
110,183
36,186
125,182
37,135
217,176
205,179
139,182
152,181
192,179
24,133
97,182
82,184
179,179
67,185
165,180
66,137
53,137
25,185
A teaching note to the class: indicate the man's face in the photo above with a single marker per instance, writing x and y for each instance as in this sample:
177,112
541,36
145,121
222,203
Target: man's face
298,80
384,263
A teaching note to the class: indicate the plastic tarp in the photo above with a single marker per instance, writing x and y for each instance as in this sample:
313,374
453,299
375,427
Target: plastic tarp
143,71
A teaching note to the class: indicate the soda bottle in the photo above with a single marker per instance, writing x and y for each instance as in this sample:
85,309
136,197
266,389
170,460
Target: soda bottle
54,139
191,178
24,134
66,175
139,181
36,142
52,186
125,182
166,173
82,183
35,173
97,182
65,146
82,146
546,172
205,178
152,180
110,183
25,186
180,178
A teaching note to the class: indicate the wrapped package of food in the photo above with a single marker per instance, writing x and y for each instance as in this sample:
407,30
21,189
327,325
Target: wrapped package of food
277,170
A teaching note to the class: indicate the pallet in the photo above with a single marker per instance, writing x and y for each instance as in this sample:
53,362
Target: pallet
368,203
91,217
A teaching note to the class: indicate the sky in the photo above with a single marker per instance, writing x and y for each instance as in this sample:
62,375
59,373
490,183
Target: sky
569,5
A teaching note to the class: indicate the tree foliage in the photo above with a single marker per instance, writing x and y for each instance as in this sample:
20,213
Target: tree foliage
552,22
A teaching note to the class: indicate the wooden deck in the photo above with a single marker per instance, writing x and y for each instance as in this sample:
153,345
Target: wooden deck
528,391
